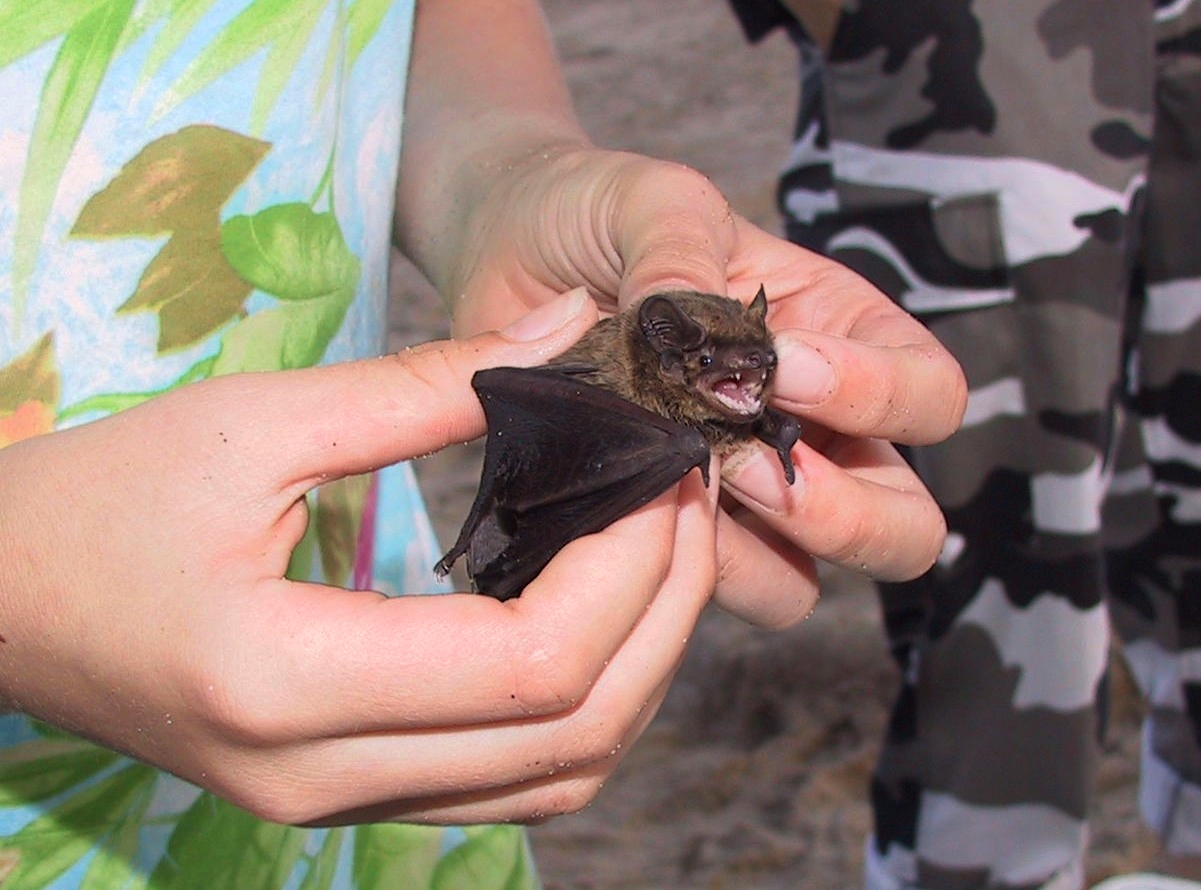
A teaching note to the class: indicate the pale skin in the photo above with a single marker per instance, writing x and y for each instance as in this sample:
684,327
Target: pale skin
171,634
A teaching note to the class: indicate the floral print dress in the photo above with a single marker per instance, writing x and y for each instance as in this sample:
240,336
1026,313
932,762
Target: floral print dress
191,188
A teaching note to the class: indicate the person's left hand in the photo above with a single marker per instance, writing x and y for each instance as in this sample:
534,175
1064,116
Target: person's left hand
855,368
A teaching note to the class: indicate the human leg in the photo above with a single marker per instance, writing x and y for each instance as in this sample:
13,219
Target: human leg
1156,578
986,178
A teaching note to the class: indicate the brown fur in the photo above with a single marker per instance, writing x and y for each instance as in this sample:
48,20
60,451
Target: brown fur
618,357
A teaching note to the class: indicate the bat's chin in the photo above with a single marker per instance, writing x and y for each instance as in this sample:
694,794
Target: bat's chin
739,395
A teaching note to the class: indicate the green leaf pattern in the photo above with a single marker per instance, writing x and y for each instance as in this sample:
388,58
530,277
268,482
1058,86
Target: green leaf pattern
177,186
282,29
263,289
74,79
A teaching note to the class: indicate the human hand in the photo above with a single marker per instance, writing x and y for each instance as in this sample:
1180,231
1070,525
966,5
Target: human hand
857,370
143,603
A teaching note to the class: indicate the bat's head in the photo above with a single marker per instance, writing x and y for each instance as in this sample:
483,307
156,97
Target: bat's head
715,350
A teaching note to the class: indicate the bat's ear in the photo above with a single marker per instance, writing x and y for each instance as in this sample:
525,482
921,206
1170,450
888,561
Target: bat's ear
668,329
758,307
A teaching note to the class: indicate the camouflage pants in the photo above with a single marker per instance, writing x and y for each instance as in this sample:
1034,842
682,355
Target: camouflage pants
1025,176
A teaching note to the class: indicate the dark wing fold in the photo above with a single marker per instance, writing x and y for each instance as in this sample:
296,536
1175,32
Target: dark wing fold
562,459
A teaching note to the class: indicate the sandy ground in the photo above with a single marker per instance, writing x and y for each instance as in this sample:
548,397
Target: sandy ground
754,774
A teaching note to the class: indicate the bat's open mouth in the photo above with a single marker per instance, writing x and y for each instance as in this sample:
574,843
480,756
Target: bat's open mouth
738,393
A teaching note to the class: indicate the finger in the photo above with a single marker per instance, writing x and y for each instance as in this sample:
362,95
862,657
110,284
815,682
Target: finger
566,787
604,723
528,802
891,376
517,772
321,423
365,769
763,578
633,226
531,801
859,506
674,231
350,660
910,393
507,785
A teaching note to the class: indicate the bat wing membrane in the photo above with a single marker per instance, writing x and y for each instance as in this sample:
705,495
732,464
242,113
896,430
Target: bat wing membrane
562,459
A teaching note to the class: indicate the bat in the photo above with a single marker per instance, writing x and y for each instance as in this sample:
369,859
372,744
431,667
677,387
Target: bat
609,425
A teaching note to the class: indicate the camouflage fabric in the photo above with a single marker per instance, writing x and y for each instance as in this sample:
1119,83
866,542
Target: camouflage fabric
1025,176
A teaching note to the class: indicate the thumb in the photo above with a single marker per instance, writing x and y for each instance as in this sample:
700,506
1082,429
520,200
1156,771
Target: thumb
675,231
338,420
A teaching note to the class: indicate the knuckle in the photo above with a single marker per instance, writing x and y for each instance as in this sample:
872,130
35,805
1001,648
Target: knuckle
274,802
424,370
832,283
848,540
680,178
931,536
436,373
942,404
879,412
956,399
873,547
603,741
264,786
549,678
236,713
566,797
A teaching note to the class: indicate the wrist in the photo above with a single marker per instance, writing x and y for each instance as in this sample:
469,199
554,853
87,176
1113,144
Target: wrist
462,192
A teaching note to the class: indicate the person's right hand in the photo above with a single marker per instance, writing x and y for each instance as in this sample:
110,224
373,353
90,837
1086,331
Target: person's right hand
143,603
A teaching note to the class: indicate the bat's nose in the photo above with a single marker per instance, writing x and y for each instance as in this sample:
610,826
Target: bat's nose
760,358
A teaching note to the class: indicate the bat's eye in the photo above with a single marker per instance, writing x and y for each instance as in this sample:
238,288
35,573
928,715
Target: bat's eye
705,361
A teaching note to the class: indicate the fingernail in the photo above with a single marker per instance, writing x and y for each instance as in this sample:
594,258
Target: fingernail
548,317
806,376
